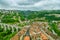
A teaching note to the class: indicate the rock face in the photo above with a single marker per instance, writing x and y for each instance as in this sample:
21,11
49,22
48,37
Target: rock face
34,31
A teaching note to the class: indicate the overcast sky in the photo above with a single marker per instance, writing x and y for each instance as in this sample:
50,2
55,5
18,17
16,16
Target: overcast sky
30,4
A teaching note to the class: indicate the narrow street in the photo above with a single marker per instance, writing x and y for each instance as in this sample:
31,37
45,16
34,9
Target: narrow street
35,32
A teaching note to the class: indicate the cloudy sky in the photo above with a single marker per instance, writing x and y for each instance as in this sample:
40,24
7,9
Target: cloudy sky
30,4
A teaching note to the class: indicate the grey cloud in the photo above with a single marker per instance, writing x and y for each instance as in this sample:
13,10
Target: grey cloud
2,2
30,4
